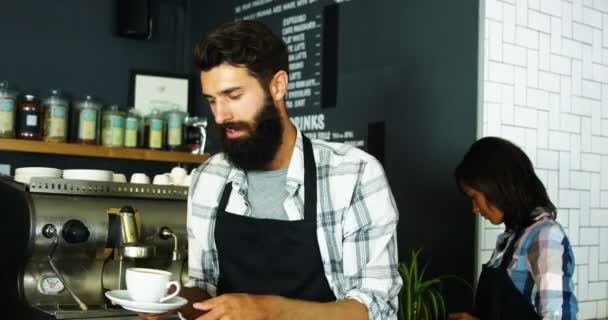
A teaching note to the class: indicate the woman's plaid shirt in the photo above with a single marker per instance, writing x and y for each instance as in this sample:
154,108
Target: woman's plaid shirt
356,222
542,267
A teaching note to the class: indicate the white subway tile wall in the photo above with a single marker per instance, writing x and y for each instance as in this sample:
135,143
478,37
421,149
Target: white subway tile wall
546,89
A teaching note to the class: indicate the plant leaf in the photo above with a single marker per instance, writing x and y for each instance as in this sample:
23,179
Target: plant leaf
421,298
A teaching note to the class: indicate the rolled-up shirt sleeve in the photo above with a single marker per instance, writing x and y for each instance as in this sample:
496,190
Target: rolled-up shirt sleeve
370,255
202,257
551,263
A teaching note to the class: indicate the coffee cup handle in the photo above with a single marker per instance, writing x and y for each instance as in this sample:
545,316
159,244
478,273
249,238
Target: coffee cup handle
178,288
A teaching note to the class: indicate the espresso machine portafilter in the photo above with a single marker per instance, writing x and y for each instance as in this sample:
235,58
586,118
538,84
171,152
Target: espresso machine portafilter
67,242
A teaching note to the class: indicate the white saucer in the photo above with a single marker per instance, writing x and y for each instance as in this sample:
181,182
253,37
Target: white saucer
88,174
122,298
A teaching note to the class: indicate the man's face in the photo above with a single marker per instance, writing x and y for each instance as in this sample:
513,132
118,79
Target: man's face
249,123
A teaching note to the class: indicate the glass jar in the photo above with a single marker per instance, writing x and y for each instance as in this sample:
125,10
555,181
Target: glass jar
113,127
154,130
29,118
133,129
55,118
86,119
7,111
195,134
175,129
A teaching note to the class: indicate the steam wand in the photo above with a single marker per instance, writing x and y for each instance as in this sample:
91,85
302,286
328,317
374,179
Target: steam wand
165,233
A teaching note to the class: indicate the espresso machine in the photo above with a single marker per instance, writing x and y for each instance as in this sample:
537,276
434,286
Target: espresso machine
67,242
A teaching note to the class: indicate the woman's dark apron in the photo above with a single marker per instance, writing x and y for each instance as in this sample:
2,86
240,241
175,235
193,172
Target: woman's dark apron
497,296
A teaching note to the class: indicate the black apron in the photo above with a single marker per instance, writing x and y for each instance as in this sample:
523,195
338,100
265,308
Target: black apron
266,256
497,296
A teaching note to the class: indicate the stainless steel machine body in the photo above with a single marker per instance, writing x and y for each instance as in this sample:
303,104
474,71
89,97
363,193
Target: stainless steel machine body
67,242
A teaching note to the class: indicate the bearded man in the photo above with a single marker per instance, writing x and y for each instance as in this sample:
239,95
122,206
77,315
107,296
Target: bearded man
279,226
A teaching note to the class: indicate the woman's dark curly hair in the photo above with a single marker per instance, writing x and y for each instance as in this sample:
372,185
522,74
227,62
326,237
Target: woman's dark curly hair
505,175
248,43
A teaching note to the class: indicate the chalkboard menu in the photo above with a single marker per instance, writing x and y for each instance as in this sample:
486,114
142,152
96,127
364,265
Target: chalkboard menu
309,28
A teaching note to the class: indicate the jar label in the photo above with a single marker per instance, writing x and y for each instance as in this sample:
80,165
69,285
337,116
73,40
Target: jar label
131,123
156,134
156,124
57,127
88,115
7,105
118,136
31,120
174,136
57,123
156,139
118,122
131,132
7,115
130,138
88,125
58,111
113,130
175,123
28,123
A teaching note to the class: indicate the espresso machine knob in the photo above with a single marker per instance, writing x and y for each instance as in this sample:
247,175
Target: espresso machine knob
74,231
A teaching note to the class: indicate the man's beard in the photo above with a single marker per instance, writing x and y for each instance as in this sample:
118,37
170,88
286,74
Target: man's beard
258,147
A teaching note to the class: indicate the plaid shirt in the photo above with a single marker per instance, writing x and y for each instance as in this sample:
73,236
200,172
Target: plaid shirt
542,267
356,222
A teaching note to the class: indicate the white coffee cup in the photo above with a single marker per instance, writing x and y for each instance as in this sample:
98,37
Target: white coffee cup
177,175
162,179
119,177
187,181
150,285
140,178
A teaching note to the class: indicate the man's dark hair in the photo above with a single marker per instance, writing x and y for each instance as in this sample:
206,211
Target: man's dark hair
248,43
505,175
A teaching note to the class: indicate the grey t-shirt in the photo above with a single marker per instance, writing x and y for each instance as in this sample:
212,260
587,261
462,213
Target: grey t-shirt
266,193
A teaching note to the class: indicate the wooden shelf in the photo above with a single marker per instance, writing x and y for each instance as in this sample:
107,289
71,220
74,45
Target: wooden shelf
82,150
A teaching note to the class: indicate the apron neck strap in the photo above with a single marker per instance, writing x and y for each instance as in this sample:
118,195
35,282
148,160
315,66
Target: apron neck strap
310,181
225,196
508,255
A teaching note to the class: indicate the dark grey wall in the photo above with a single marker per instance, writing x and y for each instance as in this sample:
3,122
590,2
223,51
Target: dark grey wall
73,46
413,66
433,127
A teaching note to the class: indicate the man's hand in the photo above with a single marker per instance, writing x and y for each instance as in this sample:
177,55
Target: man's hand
461,316
238,306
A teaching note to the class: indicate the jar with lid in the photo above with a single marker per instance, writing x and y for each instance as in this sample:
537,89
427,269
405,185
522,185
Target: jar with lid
175,129
113,127
86,120
29,118
195,134
7,111
56,110
154,130
133,129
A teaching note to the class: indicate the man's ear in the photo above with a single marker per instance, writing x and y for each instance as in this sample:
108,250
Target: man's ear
278,85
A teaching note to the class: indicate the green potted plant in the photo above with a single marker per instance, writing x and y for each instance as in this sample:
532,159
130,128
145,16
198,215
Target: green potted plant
421,298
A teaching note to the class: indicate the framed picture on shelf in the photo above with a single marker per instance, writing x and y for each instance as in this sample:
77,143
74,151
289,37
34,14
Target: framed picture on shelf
159,90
